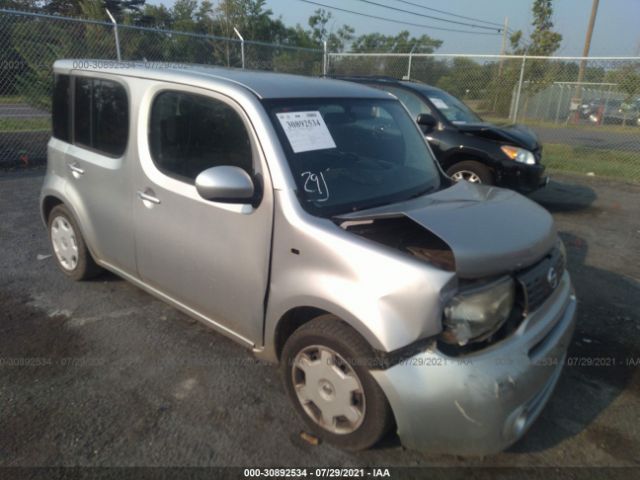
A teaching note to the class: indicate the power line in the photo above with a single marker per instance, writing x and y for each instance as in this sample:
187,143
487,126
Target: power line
440,19
395,21
448,13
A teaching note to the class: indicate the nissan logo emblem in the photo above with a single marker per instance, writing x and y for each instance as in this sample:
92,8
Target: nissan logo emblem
552,277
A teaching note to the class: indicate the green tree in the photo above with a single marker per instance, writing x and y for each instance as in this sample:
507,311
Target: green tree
466,79
74,8
400,43
543,41
320,31
538,74
627,79
403,42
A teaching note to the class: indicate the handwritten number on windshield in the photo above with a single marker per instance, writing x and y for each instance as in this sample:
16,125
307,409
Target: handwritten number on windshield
316,186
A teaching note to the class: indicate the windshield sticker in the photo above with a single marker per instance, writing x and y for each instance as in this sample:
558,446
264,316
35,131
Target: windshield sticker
315,186
306,131
438,102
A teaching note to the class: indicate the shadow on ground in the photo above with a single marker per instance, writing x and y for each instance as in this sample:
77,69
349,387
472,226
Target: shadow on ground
565,197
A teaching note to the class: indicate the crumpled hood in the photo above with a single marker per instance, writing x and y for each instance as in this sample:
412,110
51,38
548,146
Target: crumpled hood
490,230
518,135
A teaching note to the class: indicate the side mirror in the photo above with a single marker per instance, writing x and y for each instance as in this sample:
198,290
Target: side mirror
426,121
225,184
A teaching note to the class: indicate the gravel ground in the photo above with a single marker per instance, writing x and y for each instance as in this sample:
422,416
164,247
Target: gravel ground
117,378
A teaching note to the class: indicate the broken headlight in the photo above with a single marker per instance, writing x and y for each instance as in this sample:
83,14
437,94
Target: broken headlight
477,314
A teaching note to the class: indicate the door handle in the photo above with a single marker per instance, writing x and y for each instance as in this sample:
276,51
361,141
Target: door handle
75,168
147,197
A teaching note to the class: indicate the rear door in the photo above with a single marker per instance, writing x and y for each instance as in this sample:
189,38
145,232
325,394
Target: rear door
97,167
211,257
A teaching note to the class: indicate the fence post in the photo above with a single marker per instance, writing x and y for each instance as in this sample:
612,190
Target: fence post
519,91
409,63
325,59
241,45
559,103
606,104
115,33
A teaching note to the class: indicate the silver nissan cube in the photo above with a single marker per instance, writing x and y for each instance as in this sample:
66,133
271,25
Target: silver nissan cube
306,219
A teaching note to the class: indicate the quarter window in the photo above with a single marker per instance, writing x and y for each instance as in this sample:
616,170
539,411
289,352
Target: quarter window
101,115
189,133
60,107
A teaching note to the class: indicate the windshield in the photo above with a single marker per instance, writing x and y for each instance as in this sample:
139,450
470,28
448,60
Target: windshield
350,154
453,109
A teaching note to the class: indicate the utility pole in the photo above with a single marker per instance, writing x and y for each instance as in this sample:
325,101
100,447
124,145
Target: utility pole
585,53
504,44
503,50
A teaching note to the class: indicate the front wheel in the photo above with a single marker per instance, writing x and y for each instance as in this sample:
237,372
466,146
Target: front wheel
470,171
326,375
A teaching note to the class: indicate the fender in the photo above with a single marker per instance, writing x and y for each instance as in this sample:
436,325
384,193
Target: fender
447,157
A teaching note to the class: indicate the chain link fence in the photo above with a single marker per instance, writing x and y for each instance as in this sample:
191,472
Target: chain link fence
588,122
31,42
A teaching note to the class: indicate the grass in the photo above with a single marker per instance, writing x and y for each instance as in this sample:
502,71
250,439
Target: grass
26,124
5,99
501,121
601,162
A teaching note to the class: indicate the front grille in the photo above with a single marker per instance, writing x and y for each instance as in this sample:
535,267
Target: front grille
539,281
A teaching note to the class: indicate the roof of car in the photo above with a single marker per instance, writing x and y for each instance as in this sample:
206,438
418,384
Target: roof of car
263,84
379,79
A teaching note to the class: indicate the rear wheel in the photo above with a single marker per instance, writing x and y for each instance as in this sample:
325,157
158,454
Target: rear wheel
470,171
70,251
324,367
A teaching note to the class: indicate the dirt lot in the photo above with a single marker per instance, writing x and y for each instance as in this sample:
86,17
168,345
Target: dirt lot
102,374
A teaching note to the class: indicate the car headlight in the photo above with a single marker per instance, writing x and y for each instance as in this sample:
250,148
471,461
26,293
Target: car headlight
478,313
520,155
563,250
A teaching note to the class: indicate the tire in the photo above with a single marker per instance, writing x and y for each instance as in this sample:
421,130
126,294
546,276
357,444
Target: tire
364,399
472,171
69,248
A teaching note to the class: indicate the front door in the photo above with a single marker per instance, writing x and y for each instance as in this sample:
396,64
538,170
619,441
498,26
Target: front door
211,257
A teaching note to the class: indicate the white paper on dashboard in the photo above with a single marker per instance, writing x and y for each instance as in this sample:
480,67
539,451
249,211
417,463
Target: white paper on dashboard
306,131
439,103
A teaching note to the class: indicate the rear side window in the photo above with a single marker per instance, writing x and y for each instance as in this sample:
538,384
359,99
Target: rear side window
101,115
60,108
189,133
82,120
410,100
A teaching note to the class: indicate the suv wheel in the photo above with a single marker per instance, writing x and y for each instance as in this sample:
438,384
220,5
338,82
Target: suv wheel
69,248
324,367
471,171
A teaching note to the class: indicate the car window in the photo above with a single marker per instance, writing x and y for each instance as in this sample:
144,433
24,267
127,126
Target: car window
101,115
410,100
453,109
60,107
82,112
110,117
189,133
349,154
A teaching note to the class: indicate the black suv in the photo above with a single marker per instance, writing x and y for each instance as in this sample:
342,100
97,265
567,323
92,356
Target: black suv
466,147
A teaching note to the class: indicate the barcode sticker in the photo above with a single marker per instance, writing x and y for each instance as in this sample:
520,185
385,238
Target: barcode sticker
306,131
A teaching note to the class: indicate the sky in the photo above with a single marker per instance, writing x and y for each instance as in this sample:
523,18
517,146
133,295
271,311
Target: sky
616,33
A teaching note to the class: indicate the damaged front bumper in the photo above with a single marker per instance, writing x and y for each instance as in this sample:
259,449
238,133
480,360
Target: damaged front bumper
481,403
